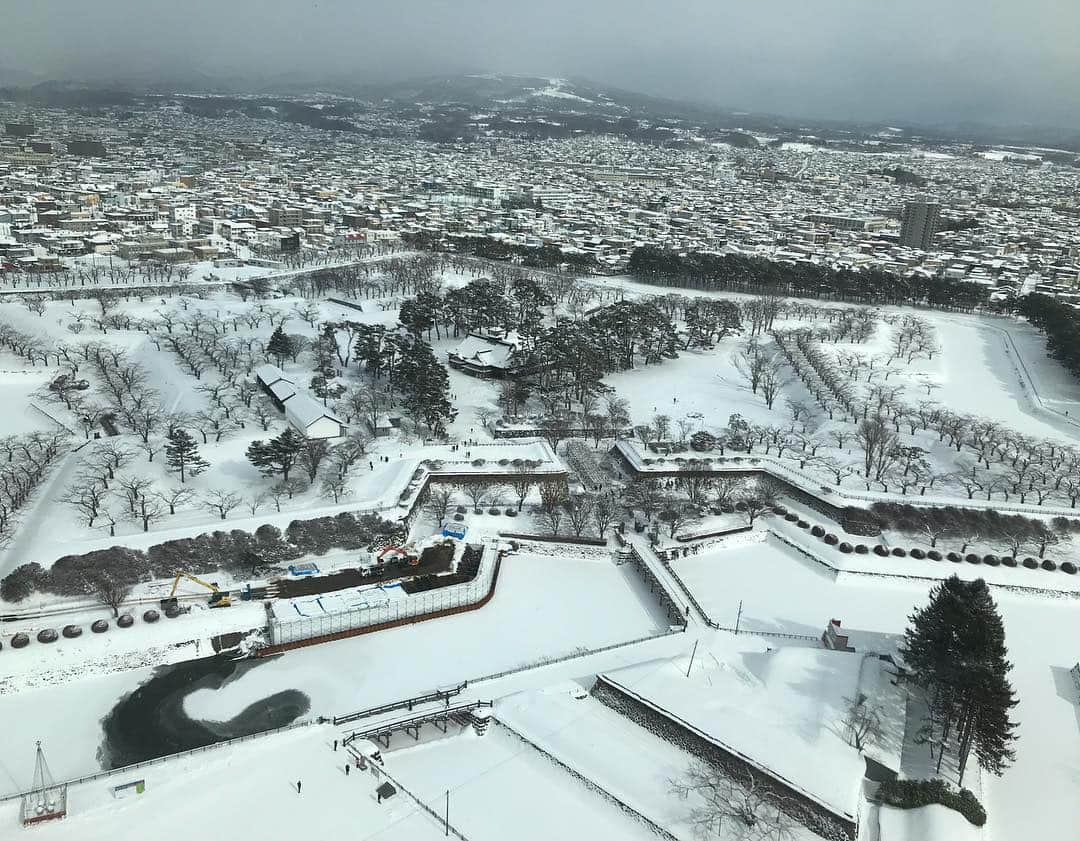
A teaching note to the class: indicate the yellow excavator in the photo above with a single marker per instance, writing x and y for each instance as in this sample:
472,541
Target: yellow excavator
218,598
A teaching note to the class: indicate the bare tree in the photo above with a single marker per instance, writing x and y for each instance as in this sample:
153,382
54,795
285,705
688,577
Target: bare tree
222,502
175,496
87,496
311,456
726,490
476,491
522,481
676,514
335,486
862,721
110,592
438,501
603,513
879,445
755,810
644,495
350,451
148,509
133,488
255,502
553,494
579,513
762,498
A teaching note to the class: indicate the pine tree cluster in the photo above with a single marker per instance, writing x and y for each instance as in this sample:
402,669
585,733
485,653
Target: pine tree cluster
955,649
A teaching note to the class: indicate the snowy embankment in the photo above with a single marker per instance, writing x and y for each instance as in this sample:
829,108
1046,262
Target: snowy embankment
628,761
489,778
781,591
755,702
929,823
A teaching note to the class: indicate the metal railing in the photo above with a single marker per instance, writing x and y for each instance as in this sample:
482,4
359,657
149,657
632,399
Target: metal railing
385,727
407,703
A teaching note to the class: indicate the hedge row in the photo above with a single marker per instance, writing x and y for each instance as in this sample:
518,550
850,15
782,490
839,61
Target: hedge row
913,794
987,522
883,551
235,551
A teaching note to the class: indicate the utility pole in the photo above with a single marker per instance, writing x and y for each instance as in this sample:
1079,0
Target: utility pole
738,618
446,822
692,653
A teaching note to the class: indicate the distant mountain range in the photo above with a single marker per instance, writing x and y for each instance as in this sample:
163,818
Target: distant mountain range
577,104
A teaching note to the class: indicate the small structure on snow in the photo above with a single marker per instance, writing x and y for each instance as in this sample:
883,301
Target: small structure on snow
46,801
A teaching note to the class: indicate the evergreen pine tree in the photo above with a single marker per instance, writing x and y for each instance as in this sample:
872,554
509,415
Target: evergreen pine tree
280,345
278,455
182,454
955,649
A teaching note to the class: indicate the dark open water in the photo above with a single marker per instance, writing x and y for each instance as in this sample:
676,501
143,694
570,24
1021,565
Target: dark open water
151,722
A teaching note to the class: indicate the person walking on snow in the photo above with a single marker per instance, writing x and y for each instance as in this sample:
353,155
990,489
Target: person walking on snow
298,786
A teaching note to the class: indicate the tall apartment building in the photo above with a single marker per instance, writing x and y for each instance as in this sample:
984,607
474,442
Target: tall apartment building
919,223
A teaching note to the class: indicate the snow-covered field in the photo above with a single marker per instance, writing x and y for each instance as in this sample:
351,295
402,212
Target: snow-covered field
544,607
549,603
244,791
500,786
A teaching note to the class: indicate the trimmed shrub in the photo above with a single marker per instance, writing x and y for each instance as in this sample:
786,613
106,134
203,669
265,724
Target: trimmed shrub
803,524
899,553
991,560
845,548
125,621
1008,561
47,635
510,512
459,517
972,558
917,554
832,539
72,631
461,509
780,509
22,582
881,550
100,626
73,575
861,549
495,511
955,557
1068,568
151,616
20,640
913,794
1049,565
791,518
1031,563
817,531
933,555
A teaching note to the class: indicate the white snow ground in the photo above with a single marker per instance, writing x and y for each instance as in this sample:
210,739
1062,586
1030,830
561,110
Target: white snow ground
782,592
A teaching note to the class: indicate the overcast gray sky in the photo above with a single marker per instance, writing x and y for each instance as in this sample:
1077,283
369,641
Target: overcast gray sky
1002,61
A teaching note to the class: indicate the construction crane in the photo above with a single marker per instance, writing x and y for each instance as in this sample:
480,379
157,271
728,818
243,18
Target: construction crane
218,598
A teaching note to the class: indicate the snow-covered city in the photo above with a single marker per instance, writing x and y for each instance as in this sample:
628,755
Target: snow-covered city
515,456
